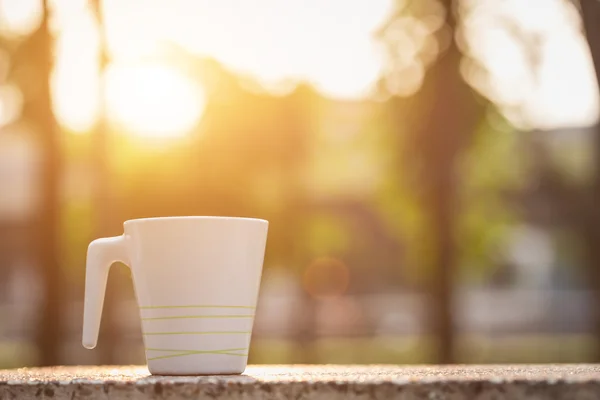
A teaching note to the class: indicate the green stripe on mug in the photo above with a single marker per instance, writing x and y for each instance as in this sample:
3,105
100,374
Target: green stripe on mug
181,353
197,316
195,306
199,333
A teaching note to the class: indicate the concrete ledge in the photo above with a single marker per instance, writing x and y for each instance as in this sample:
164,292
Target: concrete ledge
309,382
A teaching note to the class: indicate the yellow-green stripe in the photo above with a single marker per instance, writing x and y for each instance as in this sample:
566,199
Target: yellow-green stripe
181,353
198,316
199,333
195,306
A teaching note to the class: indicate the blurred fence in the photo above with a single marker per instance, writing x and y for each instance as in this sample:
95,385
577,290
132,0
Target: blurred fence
553,326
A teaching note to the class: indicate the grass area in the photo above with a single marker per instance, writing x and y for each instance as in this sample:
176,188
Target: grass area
527,349
379,350
16,354
421,350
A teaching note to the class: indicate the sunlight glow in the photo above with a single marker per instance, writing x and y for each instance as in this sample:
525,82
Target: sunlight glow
327,43
153,100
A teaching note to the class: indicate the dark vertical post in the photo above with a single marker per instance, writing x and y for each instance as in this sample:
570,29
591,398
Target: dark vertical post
49,331
590,10
441,202
443,136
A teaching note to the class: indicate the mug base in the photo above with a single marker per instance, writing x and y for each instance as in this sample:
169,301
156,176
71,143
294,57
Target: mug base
205,363
194,371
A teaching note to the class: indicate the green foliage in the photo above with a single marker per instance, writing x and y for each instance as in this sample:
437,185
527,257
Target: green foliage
489,171
76,232
398,199
326,235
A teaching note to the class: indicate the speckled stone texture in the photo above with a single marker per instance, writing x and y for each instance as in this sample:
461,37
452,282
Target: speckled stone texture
309,382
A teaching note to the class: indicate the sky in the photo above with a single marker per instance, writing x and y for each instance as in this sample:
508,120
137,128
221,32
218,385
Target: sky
562,90
328,43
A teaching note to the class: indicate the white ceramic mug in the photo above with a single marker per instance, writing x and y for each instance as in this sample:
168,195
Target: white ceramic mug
196,280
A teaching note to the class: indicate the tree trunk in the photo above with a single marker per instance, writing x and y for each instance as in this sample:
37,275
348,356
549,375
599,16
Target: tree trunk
442,201
591,19
49,332
448,123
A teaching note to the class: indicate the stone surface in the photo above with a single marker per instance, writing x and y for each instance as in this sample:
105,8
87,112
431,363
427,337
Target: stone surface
309,382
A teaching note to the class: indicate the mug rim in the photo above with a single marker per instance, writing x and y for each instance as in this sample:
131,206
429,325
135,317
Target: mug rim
194,218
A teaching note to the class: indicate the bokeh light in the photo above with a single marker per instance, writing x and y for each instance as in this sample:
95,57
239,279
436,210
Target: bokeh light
76,81
21,17
11,101
326,277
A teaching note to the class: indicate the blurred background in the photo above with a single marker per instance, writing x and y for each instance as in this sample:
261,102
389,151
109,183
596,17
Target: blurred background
429,168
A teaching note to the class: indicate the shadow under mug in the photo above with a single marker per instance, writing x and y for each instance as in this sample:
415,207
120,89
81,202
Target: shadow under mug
196,281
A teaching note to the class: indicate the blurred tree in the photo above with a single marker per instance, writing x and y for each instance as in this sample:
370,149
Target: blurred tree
554,198
445,114
7,246
37,52
489,173
589,213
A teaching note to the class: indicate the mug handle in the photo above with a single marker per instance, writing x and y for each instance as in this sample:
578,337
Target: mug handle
101,254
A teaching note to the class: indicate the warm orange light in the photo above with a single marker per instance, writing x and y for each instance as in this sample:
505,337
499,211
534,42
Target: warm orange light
327,43
337,55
